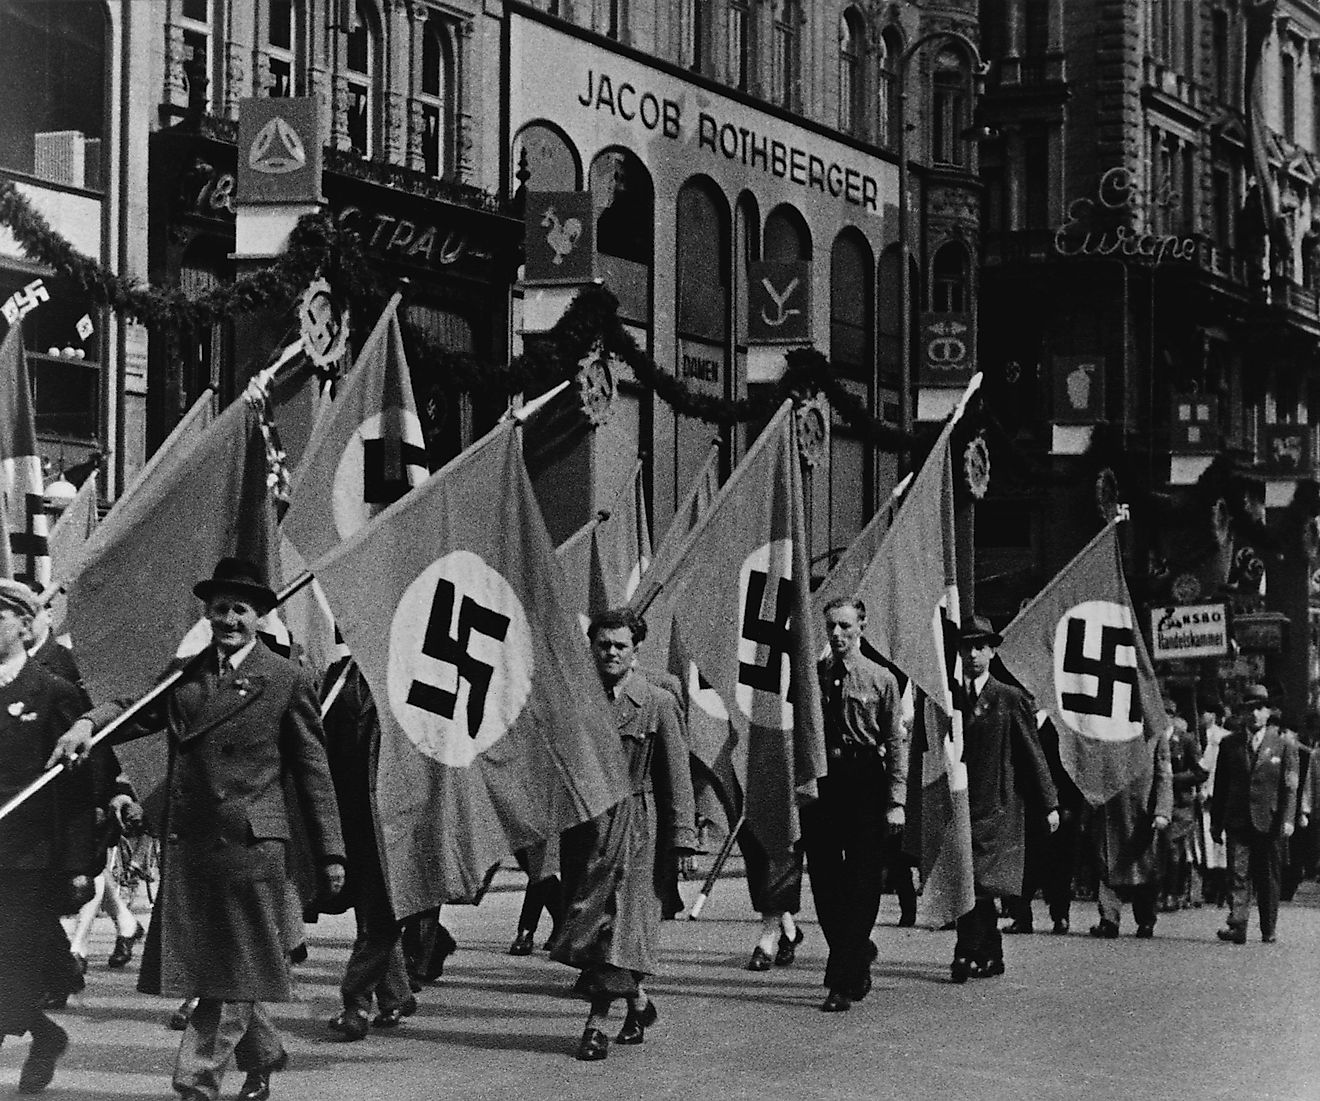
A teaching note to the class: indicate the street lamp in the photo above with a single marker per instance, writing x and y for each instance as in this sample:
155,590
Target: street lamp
979,69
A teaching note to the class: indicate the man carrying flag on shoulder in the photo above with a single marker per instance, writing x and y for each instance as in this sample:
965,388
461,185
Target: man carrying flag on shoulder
999,737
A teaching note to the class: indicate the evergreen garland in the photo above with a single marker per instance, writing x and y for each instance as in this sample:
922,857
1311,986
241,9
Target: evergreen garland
318,246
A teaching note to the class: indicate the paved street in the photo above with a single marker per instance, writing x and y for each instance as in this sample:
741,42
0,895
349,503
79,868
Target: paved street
1181,1016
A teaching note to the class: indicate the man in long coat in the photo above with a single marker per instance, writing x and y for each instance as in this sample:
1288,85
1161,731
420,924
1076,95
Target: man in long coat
1254,808
48,845
1124,832
239,717
1006,772
612,867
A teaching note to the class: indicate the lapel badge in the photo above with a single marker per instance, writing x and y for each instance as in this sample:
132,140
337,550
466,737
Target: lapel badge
27,717
242,684
16,708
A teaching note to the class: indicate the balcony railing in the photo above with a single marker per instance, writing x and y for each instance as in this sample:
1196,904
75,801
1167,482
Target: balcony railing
347,163
1030,72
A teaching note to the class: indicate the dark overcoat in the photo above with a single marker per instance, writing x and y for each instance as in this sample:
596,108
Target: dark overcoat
610,867
1122,829
1007,774
1255,791
216,930
43,844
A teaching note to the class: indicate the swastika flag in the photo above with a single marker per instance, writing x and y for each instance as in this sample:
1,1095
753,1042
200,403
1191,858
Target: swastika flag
495,731
738,590
21,484
366,453
1078,649
603,561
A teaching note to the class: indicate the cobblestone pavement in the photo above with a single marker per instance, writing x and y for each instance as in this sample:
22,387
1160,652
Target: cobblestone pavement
1181,1016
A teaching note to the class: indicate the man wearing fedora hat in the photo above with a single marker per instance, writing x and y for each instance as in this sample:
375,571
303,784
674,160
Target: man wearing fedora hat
238,720
1253,809
999,742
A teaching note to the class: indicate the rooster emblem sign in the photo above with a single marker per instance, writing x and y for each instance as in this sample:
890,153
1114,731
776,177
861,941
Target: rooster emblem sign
562,237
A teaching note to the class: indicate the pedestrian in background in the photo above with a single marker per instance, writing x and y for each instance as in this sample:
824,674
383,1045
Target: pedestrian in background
1214,872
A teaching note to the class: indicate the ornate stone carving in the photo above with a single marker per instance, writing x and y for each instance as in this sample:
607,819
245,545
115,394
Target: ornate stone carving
396,121
235,78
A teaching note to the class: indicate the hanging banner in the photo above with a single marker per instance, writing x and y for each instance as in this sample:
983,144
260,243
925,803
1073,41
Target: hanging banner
1079,389
279,150
948,349
778,302
559,241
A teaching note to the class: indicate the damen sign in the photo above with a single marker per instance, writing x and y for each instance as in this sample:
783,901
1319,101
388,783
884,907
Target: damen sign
1085,233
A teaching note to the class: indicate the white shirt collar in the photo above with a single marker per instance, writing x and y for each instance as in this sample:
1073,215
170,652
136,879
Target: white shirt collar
978,683
234,660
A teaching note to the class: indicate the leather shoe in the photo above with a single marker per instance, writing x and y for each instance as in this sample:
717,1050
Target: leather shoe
1061,927
348,1026
960,970
863,988
635,1024
1014,928
786,953
1105,930
179,1018
836,1001
256,1086
760,960
594,1045
1234,934
1145,931
121,953
49,1042
988,969
522,944
1269,938
390,1018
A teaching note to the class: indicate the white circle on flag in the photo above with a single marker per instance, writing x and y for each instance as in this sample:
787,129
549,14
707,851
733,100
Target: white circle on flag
348,498
460,660
704,696
764,649
1095,671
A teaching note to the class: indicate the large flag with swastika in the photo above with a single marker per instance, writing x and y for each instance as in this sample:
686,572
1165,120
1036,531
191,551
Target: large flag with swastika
366,453
22,489
738,590
1078,649
911,594
495,731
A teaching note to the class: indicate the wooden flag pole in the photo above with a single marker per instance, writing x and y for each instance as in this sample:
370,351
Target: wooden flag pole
301,581
700,903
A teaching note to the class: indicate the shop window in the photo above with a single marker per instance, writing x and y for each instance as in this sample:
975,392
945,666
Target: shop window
543,160
738,42
284,23
852,73
949,290
851,298
787,237
361,66
624,200
204,350
889,105
447,416
702,266
949,116
436,96
53,60
196,19
787,70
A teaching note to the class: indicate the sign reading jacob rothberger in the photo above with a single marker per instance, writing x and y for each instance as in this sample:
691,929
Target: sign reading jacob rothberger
1188,631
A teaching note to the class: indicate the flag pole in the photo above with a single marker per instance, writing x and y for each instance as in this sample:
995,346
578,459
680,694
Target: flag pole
300,582
700,902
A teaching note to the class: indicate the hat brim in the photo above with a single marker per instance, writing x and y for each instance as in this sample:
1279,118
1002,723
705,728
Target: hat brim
261,598
981,636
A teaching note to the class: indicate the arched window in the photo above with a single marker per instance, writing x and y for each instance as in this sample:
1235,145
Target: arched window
852,73
787,72
623,198
851,298
738,44
949,274
702,263
543,160
887,98
54,117
435,94
787,237
949,115
361,66
747,240
284,48
197,18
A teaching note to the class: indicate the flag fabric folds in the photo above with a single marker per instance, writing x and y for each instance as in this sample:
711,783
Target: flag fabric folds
495,732
604,560
68,538
910,590
1078,649
22,489
738,592
366,452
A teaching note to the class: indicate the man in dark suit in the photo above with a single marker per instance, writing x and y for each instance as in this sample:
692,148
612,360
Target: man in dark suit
1006,771
1254,808
238,719
48,845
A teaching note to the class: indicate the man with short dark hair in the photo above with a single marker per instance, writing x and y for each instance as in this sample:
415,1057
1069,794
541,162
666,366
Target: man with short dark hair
862,802
239,718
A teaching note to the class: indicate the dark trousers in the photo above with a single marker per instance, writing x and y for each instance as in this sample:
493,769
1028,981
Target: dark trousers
775,885
218,1031
844,835
978,936
375,966
545,894
1050,865
1253,868
34,952
1143,897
